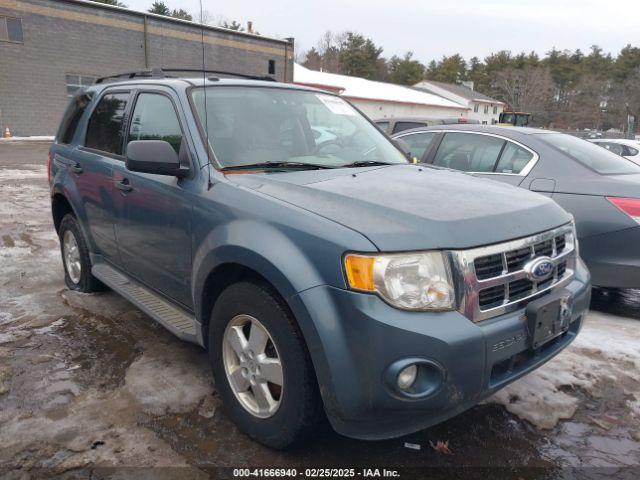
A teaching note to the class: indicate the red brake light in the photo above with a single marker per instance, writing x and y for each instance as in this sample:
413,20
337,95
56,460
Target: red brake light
49,167
630,206
462,120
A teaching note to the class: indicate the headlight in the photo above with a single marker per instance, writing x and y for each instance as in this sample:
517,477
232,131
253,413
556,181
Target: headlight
411,281
574,238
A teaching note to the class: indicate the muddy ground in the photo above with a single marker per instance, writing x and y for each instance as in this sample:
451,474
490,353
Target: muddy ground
89,382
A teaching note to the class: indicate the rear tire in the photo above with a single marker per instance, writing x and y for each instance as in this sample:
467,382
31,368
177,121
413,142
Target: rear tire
75,257
291,410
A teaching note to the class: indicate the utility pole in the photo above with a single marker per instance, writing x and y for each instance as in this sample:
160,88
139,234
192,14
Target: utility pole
631,123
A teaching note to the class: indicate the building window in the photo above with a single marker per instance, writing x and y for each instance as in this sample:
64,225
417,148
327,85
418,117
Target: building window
495,110
475,108
11,30
76,82
486,109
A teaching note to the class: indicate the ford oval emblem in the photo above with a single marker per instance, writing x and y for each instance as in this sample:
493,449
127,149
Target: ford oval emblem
539,269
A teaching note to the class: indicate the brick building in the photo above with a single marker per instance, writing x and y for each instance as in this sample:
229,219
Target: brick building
49,49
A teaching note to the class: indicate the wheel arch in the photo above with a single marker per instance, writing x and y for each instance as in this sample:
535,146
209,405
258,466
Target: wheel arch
218,279
60,206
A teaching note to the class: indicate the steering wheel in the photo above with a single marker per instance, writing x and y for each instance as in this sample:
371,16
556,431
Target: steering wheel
336,142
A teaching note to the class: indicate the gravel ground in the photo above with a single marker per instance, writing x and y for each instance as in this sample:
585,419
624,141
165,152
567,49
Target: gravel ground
88,382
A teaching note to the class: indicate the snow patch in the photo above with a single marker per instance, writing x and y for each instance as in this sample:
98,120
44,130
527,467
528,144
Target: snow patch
19,174
34,138
607,348
169,384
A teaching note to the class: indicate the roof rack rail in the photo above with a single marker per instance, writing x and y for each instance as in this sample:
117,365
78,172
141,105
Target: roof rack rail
219,72
153,73
160,73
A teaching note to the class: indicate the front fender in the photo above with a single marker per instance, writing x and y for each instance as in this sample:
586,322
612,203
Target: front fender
259,247
283,262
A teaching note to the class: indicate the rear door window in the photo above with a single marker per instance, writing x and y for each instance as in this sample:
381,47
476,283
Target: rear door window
105,130
71,118
469,152
402,126
630,151
155,118
418,143
513,159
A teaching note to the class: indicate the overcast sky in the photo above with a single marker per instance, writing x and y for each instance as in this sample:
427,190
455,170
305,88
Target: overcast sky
434,28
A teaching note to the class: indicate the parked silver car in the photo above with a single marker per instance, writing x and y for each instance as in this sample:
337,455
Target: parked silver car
629,149
600,189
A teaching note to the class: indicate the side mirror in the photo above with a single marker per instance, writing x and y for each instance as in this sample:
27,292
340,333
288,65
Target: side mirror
154,156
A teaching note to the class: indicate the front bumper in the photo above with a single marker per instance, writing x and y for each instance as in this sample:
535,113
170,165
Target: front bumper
613,258
356,337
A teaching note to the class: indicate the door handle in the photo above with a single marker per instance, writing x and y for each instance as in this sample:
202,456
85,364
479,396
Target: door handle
75,167
124,185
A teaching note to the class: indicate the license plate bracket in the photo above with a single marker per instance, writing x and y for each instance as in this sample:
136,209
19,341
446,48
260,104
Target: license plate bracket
548,317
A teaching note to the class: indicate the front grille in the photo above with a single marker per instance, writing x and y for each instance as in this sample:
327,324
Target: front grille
562,268
496,273
519,289
517,258
491,297
544,248
489,266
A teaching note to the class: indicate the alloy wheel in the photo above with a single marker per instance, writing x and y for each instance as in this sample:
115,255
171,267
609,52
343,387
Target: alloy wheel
71,256
252,365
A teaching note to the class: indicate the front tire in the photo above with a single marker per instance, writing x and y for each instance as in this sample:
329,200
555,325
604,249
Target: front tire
75,257
261,366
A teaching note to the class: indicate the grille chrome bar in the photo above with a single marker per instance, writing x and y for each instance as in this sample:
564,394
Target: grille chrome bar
518,289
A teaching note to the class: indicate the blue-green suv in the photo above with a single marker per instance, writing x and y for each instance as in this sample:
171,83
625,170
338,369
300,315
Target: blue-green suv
325,274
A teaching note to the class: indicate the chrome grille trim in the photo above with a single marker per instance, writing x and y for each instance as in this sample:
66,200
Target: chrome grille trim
468,286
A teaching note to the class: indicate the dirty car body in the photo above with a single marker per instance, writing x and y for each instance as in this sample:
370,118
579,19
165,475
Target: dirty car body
338,236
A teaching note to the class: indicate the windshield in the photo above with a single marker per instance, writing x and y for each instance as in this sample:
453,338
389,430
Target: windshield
590,154
257,125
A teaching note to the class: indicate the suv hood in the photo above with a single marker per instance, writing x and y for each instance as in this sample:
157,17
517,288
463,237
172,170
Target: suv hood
410,207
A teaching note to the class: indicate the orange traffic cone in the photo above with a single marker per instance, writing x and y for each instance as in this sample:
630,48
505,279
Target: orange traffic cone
7,133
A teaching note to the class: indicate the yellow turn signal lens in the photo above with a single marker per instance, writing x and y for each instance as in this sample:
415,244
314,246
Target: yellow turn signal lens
360,272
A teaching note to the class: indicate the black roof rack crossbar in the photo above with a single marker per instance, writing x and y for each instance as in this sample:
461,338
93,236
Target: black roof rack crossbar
219,72
160,73
154,73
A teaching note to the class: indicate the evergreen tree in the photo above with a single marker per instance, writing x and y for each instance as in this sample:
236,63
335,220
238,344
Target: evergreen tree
183,14
115,3
405,70
160,8
359,56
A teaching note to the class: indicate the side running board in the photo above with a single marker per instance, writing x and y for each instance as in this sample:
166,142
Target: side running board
174,319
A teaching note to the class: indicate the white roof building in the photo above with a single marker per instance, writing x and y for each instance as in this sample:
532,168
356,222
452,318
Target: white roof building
481,107
379,99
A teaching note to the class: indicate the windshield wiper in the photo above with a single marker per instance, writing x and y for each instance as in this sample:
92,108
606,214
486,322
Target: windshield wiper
264,165
366,163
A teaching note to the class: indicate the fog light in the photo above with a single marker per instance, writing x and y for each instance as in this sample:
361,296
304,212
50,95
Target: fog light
407,377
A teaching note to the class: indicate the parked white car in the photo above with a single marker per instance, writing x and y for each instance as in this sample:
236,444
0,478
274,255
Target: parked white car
621,146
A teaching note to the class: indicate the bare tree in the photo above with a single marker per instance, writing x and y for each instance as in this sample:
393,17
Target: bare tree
209,18
329,49
625,94
530,89
585,103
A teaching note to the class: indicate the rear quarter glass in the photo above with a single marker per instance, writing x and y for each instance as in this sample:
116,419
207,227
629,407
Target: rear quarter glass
72,116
